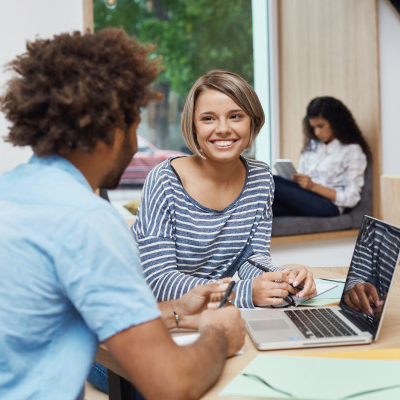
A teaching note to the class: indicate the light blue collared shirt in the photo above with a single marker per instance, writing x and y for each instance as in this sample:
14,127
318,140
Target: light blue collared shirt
69,279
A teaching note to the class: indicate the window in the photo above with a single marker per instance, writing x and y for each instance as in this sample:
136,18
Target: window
193,37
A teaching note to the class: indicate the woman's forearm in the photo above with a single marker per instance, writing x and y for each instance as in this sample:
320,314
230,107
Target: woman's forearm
324,191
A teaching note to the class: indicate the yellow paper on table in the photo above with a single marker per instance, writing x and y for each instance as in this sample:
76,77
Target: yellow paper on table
377,354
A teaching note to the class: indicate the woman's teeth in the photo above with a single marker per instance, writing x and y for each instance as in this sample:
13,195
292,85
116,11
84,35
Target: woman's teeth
223,143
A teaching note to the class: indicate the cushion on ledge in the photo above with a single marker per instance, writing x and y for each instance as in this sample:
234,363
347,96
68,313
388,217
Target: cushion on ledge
350,219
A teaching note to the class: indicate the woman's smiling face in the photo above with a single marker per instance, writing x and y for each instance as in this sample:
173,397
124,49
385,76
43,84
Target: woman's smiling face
222,127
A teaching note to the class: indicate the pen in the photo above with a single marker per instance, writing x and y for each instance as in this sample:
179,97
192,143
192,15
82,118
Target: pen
331,280
265,269
227,294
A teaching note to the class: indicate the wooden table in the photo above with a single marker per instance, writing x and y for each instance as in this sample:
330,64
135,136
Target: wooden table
389,337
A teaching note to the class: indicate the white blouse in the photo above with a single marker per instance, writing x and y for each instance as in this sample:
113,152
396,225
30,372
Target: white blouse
338,166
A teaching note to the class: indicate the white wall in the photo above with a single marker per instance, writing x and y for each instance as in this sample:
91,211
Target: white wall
389,43
22,20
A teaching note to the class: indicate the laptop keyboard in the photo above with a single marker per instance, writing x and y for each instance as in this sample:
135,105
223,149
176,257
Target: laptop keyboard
319,323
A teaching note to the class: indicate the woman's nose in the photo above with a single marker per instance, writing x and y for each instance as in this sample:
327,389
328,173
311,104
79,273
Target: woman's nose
222,126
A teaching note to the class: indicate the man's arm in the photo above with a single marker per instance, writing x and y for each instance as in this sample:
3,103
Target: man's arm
161,369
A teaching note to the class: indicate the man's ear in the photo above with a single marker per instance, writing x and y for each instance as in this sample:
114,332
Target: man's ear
119,137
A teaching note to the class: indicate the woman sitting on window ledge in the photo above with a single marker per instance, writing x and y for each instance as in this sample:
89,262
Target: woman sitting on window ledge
332,164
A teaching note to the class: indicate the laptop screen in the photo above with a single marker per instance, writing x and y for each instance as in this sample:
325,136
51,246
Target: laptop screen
371,273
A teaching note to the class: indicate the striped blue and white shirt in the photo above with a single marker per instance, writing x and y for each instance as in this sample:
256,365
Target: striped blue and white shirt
183,244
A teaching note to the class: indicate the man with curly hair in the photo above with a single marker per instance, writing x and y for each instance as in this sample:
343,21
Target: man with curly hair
70,275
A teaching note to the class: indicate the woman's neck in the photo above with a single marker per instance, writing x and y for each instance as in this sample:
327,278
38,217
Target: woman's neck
214,185
222,173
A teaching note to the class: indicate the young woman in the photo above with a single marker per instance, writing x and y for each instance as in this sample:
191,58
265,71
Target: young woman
331,167
208,216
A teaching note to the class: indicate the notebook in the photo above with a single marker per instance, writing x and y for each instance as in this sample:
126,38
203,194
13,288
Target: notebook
372,267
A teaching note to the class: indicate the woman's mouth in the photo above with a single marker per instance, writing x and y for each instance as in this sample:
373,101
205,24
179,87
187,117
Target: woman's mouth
223,143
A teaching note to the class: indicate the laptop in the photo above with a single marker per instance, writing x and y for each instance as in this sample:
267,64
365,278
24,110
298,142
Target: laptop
372,269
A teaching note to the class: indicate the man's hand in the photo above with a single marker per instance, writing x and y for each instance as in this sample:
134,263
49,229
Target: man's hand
230,324
269,288
201,296
361,296
192,303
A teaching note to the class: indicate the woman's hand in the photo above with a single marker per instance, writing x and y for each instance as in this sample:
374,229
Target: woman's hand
306,183
361,296
300,275
303,180
269,288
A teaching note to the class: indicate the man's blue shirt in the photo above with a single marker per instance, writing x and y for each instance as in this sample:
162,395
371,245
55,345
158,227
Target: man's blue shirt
69,279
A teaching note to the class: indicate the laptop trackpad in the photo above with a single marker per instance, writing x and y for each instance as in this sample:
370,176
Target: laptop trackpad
272,330
271,324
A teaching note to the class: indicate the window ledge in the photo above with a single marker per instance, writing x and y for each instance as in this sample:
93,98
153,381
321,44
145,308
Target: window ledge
312,237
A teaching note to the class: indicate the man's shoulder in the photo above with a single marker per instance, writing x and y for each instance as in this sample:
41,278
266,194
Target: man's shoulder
51,194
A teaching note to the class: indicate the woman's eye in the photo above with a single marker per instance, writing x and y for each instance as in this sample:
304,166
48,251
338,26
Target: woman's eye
206,119
236,116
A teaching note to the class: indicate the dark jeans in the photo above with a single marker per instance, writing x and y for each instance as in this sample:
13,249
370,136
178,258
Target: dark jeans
292,200
98,377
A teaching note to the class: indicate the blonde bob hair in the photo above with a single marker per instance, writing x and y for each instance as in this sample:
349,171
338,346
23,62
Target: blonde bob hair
233,86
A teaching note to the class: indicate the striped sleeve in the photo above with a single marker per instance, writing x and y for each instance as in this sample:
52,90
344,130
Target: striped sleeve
260,243
158,260
155,236
261,237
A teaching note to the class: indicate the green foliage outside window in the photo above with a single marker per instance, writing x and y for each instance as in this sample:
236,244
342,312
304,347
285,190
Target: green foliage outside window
192,36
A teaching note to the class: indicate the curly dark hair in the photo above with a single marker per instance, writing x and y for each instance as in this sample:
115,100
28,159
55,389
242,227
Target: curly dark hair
74,89
340,119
